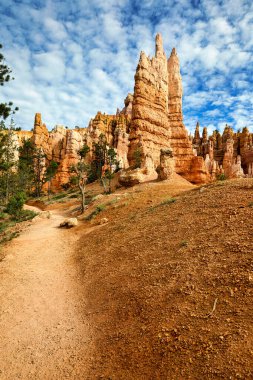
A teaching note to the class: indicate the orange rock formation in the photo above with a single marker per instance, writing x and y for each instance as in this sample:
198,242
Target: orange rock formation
230,154
157,119
148,134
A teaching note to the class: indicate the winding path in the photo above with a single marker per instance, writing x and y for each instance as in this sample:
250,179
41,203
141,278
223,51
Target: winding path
43,334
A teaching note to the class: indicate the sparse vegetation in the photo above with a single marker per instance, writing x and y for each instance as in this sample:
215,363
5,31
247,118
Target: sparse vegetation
137,158
184,243
59,196
94,213
15,204
168,201
221,177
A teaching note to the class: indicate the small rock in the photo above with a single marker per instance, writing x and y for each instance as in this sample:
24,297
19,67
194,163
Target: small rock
45,215
103,221
99,196
69,223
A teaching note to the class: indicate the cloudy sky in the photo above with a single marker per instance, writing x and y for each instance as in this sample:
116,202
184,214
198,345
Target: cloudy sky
73,58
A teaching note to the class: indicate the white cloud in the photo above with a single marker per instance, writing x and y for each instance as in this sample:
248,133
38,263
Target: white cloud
71,59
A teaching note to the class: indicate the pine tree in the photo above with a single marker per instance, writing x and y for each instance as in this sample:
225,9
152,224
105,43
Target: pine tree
8,162
49,175
81,169
5,71
26,170
39,159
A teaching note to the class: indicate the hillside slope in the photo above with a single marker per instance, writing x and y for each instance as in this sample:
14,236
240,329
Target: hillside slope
169,286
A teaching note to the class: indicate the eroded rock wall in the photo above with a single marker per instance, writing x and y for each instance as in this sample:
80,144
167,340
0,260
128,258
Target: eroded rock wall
229,153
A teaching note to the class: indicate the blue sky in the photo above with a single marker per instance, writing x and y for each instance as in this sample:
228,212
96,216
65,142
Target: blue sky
73,58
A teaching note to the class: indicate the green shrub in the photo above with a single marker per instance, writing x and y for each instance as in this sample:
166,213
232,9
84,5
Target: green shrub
59,196
26,215
184,243
16,203
100,207
3,215
74,196
137,156
221,177
94,213
168,201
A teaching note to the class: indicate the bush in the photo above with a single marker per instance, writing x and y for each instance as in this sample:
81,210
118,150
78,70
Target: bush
26,215
59,196
184,243
221,177
16,203
168,201
94,213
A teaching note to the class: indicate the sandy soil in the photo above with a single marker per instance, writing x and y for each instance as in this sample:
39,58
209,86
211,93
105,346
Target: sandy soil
170,295
162,291
43,334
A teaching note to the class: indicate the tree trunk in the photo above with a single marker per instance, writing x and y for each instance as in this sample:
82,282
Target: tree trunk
82,189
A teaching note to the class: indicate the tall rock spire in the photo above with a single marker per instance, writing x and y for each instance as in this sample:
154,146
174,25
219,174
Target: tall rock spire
175,87
159,52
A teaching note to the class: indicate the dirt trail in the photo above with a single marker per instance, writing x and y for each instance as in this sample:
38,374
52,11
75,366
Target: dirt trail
43,334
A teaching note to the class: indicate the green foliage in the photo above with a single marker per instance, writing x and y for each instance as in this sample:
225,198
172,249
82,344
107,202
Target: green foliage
168,201
84,151
81,170
51,170
73,180
137,158
59,196
184,243
8,162
5,71
3,215
73,196
94,213
49,175
101,207
26,172
99,157
38,162
221,177
5,225
15,204
25,215
104,163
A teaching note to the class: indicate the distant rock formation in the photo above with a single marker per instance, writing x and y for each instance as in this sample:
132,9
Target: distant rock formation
230,154
62,144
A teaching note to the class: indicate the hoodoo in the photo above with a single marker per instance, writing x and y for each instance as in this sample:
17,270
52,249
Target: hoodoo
149,135
157,120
